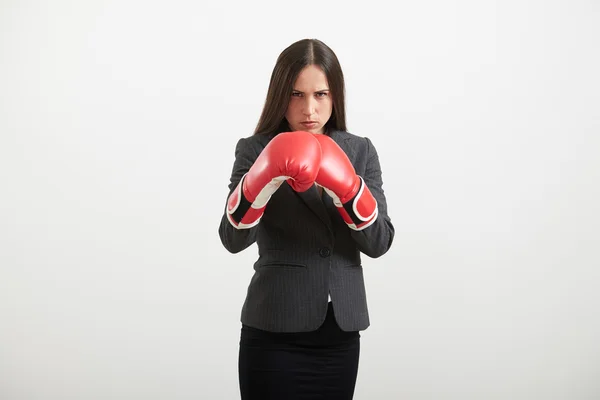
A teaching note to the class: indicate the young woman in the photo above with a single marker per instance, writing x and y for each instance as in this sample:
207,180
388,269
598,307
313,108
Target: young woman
310,195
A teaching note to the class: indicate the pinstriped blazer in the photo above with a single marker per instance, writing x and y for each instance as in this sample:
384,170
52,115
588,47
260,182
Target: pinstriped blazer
306,252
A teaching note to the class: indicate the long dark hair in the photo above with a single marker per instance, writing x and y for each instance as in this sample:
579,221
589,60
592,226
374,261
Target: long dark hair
290,62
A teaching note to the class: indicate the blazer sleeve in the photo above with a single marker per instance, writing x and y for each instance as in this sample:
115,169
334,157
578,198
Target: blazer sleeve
233,239
376,239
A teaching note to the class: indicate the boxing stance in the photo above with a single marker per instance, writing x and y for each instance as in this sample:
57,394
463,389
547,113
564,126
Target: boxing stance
302,159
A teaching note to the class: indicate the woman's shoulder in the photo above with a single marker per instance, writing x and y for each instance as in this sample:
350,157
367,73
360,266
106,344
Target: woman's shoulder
347,135
252,142
256,138
359,143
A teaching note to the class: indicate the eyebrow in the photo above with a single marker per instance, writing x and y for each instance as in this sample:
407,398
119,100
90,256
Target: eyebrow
316,91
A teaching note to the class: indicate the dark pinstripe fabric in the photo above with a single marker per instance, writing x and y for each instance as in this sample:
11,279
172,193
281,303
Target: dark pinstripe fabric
305,250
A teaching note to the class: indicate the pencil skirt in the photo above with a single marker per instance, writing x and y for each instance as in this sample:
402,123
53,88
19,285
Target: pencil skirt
322,364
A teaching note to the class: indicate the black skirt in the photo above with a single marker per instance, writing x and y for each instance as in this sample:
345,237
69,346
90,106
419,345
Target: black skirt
322,364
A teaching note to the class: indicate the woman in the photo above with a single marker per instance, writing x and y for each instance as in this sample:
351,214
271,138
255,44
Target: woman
309,194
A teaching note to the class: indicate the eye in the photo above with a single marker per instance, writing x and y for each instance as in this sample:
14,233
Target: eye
296,94
321,94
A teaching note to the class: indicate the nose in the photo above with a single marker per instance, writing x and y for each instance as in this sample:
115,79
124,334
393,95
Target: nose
310,106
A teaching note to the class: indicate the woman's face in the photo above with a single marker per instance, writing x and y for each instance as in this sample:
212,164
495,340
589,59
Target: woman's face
310,106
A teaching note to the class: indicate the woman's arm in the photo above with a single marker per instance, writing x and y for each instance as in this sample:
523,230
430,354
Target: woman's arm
236,240
376,239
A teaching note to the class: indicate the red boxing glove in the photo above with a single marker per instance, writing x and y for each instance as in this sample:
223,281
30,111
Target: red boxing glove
349,192
291,156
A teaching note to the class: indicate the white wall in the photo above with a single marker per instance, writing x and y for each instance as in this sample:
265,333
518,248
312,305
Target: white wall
486,116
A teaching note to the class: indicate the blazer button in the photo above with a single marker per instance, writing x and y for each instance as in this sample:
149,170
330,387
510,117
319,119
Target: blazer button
325,252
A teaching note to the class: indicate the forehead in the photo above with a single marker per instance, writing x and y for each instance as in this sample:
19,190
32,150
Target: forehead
311,78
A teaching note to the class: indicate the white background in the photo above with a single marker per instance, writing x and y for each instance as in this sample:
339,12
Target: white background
486,116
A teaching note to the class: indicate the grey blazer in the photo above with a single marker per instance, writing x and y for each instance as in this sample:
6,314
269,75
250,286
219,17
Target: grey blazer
305,250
